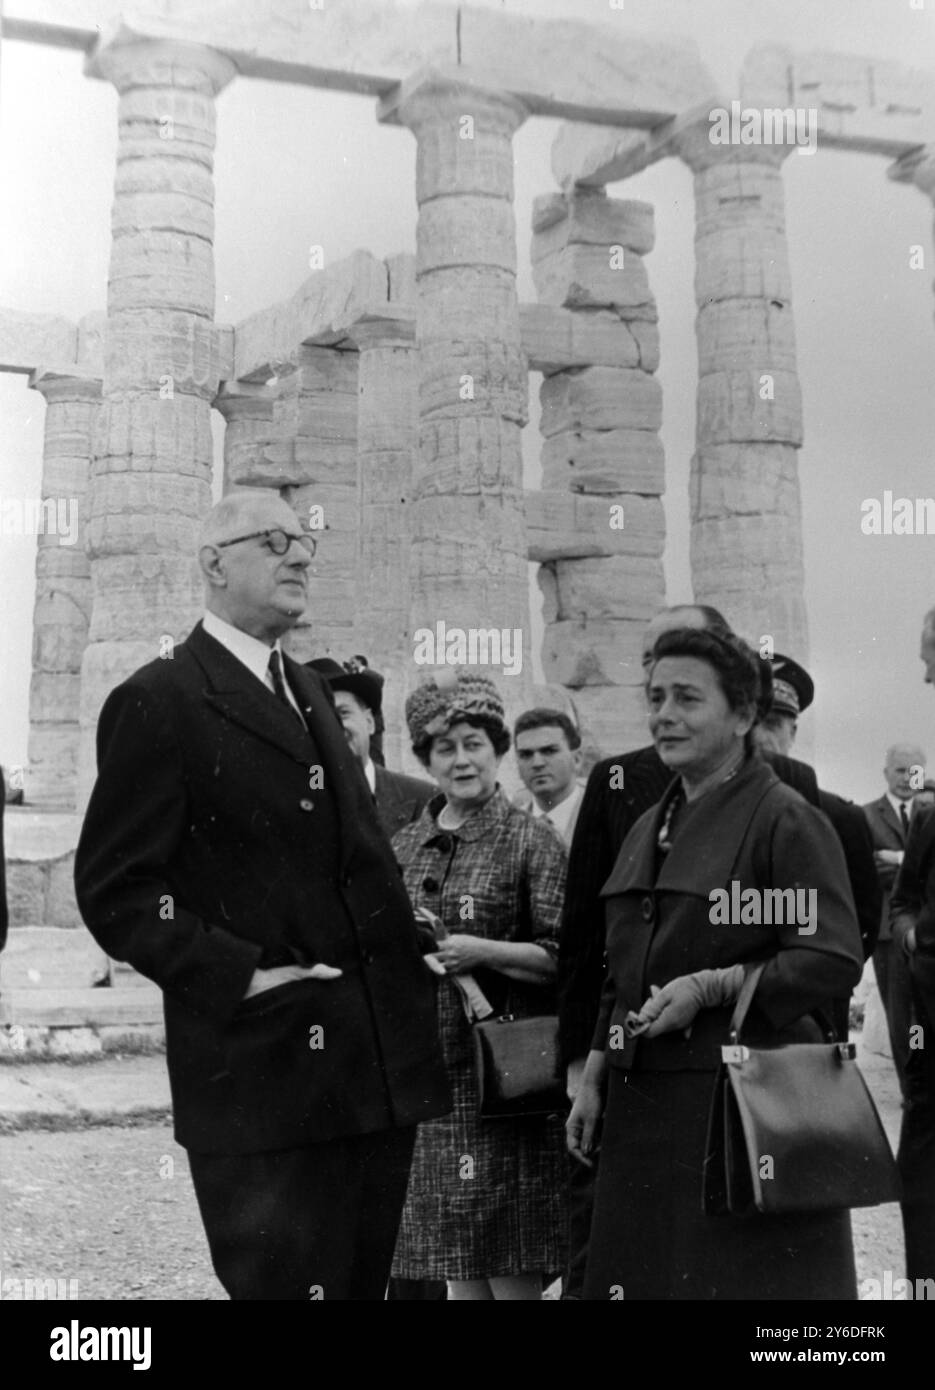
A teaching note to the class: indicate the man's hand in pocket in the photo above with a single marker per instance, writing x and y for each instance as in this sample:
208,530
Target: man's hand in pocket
262,980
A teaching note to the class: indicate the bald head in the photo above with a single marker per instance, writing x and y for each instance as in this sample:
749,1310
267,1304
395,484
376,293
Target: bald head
246,582
241,512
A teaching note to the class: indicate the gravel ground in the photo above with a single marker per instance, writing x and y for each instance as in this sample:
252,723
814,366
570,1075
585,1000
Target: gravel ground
114,1209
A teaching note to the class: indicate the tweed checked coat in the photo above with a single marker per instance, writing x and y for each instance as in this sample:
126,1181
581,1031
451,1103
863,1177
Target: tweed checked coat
485,1197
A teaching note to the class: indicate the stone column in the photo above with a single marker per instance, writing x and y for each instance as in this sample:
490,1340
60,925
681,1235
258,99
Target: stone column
63,587
313,461
248,432
602,578
387,440
150,480
746,536
469,560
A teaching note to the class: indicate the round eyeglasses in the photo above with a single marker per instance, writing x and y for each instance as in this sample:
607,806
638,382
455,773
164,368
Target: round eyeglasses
277,540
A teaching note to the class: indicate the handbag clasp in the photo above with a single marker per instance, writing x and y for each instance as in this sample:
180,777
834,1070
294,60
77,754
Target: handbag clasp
735,1053
845,1051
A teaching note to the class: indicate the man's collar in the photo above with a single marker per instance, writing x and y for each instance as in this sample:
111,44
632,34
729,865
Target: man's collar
370,773
248,650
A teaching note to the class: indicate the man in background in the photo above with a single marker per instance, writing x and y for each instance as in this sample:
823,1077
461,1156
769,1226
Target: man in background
358,698
548,755
888,818
913,922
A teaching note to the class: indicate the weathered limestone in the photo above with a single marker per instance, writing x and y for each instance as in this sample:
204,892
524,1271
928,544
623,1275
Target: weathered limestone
582,71
28,339
150,479
63,588
746,538
313,462
601,552
248,432
387,441
467,507
917,168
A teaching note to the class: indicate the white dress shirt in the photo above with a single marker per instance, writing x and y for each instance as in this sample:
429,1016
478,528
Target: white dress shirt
565,814
371,776
896,803
249,651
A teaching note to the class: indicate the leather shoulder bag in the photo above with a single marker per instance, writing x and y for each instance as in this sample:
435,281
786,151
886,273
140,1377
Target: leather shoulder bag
793,1128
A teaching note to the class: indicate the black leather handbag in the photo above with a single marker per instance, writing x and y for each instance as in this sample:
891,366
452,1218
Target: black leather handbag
793,1129
518,1067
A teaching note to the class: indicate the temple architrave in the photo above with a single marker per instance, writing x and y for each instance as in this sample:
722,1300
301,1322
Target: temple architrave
386,399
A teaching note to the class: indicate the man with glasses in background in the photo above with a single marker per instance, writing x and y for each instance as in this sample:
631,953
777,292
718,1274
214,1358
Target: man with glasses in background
232,854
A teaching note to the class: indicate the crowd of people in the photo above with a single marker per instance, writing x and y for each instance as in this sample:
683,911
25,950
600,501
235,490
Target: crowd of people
323,928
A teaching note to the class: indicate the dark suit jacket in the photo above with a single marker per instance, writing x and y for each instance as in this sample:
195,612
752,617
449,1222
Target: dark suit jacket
852,829
208,845
762,834
886,831
4,916
912,904
399,798
608,811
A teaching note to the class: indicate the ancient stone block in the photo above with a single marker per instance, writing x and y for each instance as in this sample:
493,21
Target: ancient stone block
462,230
567,526
759,404
580,652
594,277
732,333
742,264
588,217
554,339
604,461
600,398
610,587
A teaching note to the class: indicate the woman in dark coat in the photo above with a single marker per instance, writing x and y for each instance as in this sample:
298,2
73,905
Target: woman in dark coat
484,1208
673,977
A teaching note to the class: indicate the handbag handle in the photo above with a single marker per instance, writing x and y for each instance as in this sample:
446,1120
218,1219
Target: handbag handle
745,999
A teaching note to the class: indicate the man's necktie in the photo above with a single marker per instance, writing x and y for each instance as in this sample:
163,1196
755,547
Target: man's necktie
904,817
279,685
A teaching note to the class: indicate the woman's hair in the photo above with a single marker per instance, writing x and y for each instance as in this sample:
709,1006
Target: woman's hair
745,678
498,735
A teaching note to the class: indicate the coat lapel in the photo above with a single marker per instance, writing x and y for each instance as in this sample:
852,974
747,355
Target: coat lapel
891,819
699,864
343,774
239,696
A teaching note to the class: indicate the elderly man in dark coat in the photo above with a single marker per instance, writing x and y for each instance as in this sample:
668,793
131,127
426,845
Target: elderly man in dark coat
231,853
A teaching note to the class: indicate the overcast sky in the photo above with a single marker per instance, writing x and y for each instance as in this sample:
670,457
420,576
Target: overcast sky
297,167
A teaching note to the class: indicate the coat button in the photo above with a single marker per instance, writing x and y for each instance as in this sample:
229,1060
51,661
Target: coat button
648,909
430,885
306,805
368,958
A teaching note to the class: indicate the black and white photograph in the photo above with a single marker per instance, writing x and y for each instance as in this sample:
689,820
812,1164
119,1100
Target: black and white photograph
467,586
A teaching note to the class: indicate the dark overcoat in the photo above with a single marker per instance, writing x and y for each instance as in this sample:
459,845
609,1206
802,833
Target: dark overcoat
650,1236
221,835
660,927
399,798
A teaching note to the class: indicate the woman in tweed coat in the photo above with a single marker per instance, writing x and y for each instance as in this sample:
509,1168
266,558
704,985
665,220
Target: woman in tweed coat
484,1206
